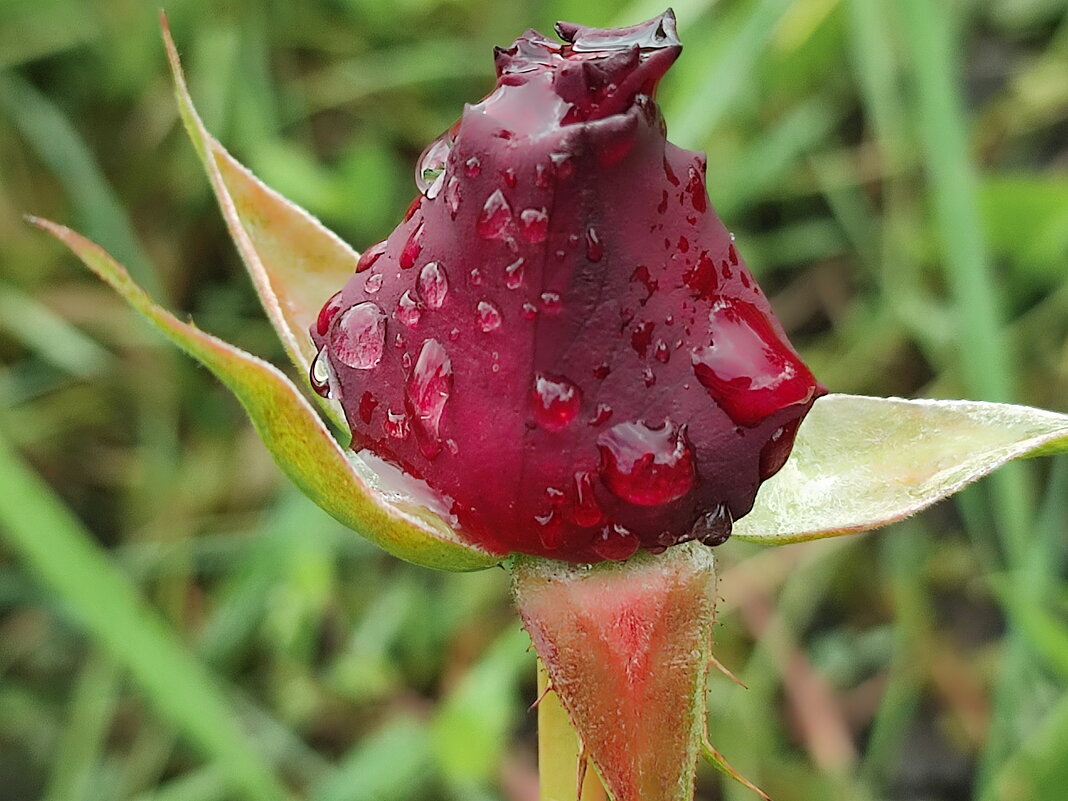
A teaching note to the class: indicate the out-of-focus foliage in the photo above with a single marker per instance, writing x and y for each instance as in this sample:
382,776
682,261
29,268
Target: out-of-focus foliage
896,174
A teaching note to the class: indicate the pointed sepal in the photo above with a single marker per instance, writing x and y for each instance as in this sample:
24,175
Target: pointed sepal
627,647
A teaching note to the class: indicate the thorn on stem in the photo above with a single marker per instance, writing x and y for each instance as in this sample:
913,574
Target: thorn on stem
727,672
715,758
541,697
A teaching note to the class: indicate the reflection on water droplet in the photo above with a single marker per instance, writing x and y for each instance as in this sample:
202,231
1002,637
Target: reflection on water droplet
327,313
412,248
319,374
646,466
528,311
713,528
431,164
534,225
426,393
396,425
489,316
747,369
372,283
472,167
602,414
615,542
452,196
513,274
495,220
359,336
555,401
433,285
594,247
662,353
409,310
586,511
777,449
370,256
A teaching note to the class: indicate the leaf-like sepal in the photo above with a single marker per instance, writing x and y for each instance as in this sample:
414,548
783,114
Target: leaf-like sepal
859,463
294,434
295,262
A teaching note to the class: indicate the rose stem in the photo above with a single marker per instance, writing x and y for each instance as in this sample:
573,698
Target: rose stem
558,751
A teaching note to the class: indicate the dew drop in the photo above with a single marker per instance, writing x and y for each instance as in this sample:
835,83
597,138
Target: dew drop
541,176
601,371
747,369
319,374
713,528
732,252
433,285
662,353
489,316
409,310
412,248
550,302
413,207
359,336
601,415
370,256
534,225
562,165
474,278
431,164
495,220
641,338
550,529
594,246
615,542
452,196
586,512
663,206
670,174
528,311
555,401
473,167
648,377
508,174
695,187
328,313
683,245
642,276
368,403
513,274
646,466
396,425
777,449
426,394
372,283
702,277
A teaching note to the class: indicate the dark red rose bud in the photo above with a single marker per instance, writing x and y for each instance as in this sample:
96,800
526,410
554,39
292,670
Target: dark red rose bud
560,338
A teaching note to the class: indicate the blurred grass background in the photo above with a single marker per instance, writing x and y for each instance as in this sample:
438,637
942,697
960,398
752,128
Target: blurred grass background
897,175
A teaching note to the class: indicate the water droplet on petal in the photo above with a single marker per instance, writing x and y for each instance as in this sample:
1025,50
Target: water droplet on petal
454,334
319,374
602,414
541,176
412,248
662,353
550,302
562,165
534,225
452,196
586,511
732,252
396,425
431,164
695,187
615,542
495,220
601,371
550,529
472,167
555,401
777,449
489,316
370,256
747,369
372,283
474,278
426,394
713,528
368,402
648,377
702,277
594,246
528,311
359,336
646,466
642,275
327,313
513,274
409,310
433,285
642,337
508,174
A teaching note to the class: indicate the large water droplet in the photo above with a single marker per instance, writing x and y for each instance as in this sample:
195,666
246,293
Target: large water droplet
586,511
433,285
370,256
409,310
495,220
513,274
319,374
427,392
412,248
555,401
534,225
646,466
489,316
615,542
327,313
777,449
713,528
359,336
748,370
373,283
431,166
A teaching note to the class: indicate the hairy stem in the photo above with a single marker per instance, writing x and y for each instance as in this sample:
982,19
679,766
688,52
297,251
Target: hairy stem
558,751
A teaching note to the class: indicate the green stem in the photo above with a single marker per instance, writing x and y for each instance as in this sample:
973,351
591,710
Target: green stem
558,751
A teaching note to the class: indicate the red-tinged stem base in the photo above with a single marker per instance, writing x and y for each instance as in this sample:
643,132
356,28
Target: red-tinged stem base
627,647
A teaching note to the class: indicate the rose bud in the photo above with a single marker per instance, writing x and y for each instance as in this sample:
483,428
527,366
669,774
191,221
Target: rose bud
561,338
